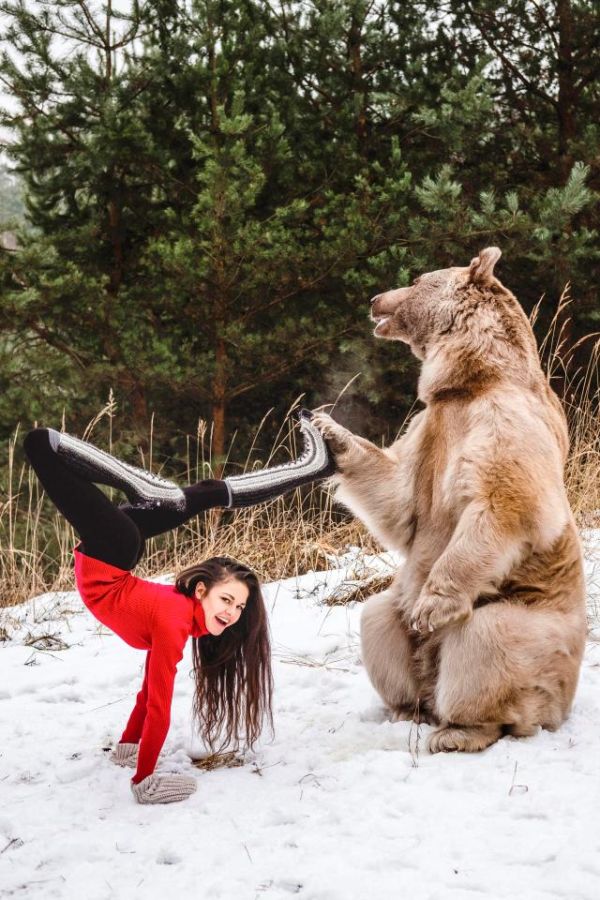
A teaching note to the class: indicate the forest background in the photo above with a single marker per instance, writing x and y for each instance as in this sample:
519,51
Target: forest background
198,199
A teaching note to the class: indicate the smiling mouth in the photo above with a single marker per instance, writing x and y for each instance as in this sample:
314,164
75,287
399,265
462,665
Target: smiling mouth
222,621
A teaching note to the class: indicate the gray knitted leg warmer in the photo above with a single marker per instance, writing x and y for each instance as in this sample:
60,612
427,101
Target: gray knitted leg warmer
314,463
141,487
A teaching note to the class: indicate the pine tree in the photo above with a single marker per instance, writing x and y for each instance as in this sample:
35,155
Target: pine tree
84,158
263,259
216,188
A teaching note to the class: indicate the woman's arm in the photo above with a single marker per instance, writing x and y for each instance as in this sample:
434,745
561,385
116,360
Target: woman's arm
135,724
160,680
146,785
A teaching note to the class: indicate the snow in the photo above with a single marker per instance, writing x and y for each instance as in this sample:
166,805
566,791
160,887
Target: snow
341,803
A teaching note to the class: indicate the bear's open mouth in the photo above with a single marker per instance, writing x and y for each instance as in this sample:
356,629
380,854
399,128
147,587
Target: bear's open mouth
382,327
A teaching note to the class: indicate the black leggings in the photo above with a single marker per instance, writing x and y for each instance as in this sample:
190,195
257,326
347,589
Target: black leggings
113,534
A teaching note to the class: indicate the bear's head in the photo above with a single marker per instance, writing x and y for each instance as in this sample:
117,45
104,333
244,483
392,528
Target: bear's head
462,322
423,312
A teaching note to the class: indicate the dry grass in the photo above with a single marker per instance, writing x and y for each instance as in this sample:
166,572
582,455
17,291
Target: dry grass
227,760
580,389
27,566
280,539
45,642
583,467
357,591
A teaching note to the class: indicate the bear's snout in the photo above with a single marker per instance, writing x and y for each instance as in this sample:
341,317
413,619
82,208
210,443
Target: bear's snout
383,305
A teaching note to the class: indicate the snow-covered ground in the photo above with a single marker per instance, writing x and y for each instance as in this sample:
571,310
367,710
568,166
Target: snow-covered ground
341,805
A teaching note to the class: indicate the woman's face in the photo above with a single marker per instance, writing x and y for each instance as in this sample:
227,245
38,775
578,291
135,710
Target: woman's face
223,603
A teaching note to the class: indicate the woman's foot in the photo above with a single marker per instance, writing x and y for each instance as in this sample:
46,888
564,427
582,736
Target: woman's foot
314,463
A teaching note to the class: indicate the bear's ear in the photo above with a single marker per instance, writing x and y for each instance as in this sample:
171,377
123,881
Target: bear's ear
481,270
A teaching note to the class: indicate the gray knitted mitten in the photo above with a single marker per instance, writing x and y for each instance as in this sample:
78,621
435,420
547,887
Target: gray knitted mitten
141,487
125,755
164,788
314,463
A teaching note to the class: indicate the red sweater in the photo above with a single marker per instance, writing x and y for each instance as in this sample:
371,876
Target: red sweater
148,616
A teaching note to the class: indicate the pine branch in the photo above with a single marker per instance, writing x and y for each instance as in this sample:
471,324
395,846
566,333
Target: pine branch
91,21
53,341
509,64
27,101
267,376
548,25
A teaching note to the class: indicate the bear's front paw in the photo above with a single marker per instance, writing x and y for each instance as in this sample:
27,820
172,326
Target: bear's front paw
434,609
339,439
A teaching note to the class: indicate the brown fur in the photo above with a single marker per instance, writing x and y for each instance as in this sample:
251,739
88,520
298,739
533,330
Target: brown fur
483,629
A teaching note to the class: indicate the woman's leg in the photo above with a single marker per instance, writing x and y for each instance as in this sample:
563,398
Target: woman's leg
99,467
314,463
160,505
105,531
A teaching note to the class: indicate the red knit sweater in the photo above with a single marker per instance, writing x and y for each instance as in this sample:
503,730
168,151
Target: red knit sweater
148,616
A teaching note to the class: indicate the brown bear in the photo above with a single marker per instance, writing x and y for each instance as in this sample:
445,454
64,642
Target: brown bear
483,628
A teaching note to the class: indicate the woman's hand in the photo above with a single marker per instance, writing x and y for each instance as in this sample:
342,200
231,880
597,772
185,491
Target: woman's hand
125,755
164,788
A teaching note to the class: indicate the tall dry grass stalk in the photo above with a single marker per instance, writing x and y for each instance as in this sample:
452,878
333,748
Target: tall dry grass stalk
282,538
580,392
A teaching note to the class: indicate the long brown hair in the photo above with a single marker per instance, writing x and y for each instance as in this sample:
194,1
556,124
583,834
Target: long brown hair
234,683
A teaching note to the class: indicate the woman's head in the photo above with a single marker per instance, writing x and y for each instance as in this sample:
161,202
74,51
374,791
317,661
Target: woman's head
232,664
224,587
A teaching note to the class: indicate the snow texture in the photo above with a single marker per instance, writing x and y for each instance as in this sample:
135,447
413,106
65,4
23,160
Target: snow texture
342,803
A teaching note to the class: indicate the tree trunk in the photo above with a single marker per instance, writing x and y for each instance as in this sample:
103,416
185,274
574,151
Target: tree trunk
114,235
359,90
219,407
134,394
139,409
567,94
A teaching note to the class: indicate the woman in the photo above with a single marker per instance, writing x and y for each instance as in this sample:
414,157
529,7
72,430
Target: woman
218,602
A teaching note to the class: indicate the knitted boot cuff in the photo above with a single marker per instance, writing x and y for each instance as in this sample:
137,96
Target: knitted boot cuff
314,463
97,466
